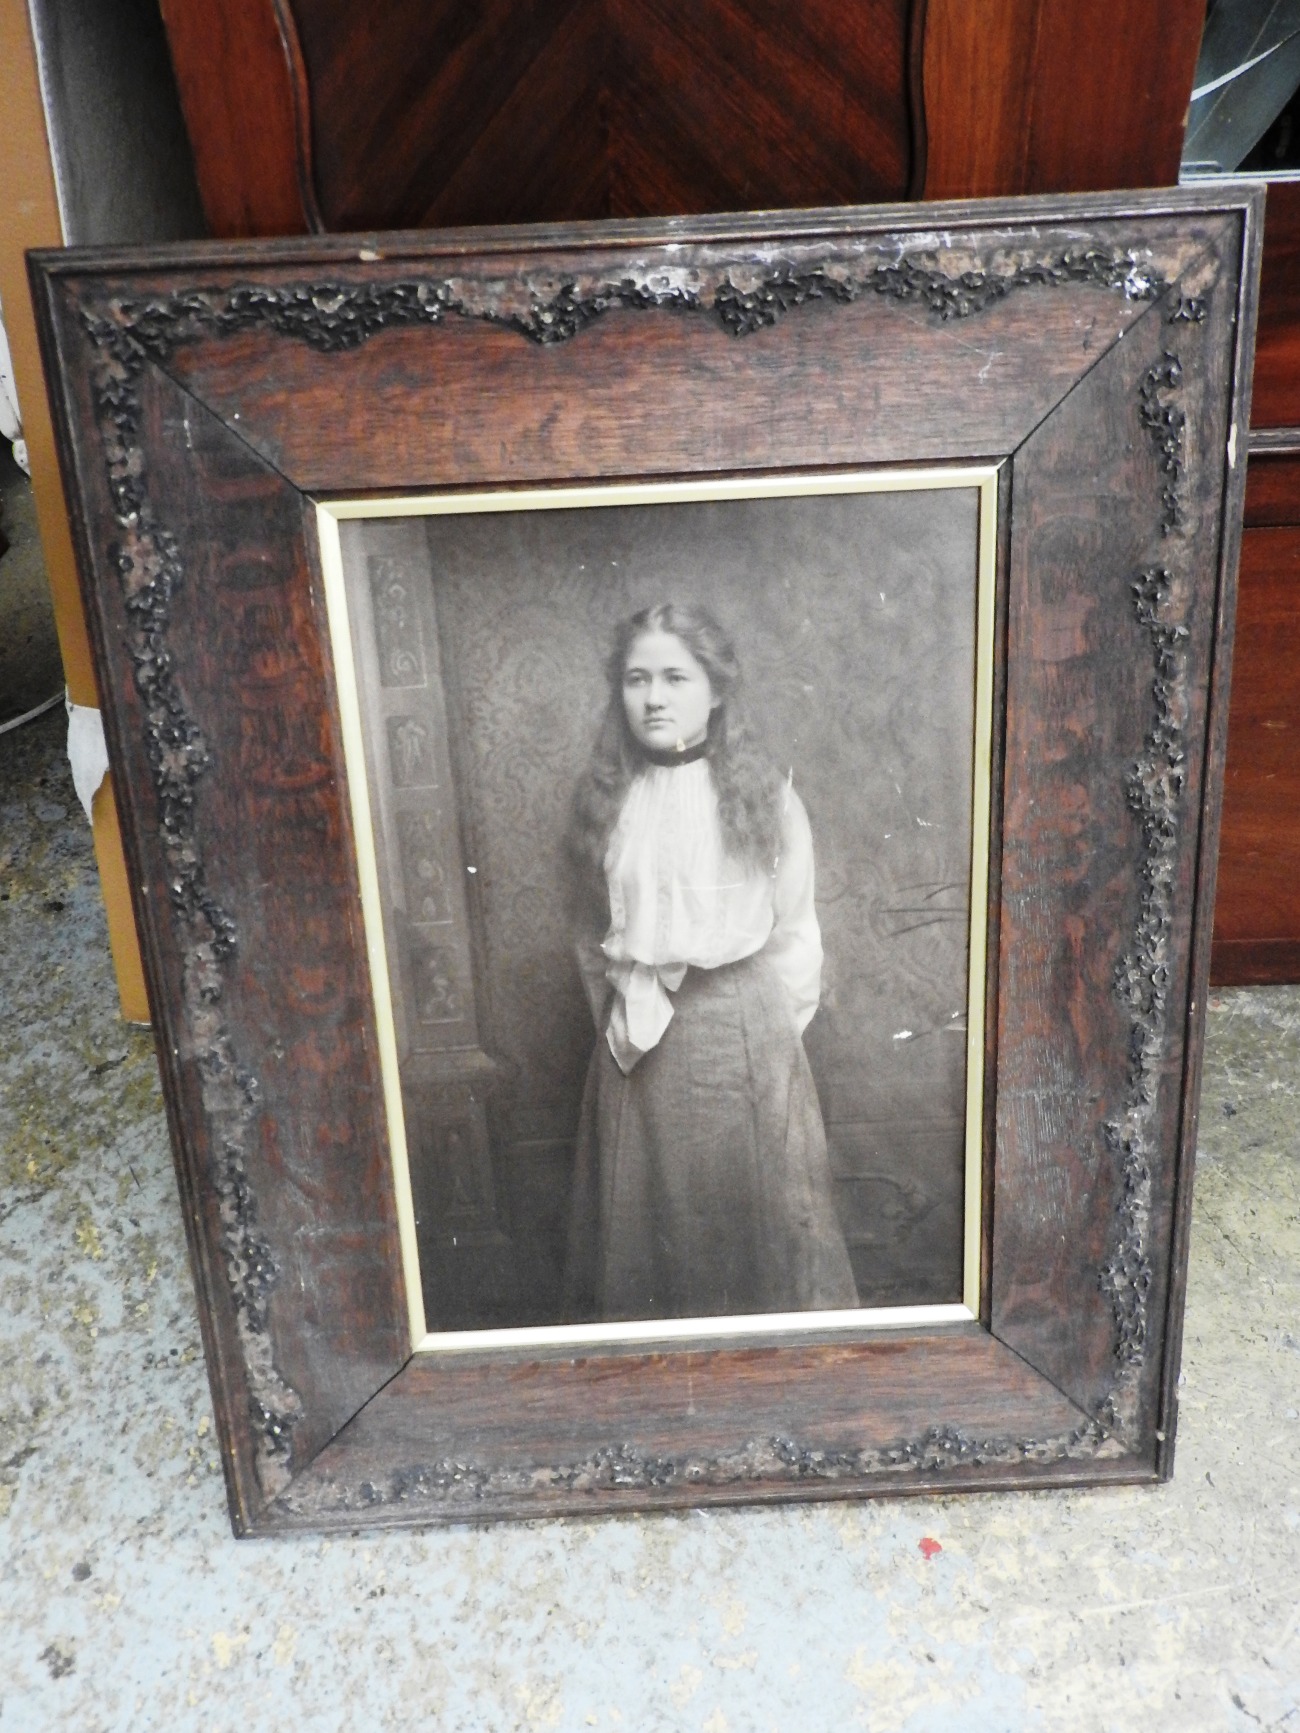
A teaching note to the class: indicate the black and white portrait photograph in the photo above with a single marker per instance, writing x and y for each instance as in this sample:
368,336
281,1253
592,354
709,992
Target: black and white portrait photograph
678,828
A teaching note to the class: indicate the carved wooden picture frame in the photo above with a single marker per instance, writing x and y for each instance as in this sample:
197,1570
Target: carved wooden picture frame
1093,356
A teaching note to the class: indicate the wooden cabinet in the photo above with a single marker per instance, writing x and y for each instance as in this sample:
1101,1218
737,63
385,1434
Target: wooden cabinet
324,115
1275,399
1257,910
320,114
1255,934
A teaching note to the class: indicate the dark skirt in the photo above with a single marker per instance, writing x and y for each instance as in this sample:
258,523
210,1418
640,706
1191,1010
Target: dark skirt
702,1185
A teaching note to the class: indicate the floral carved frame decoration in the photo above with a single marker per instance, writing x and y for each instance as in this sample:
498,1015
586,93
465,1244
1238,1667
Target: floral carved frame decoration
1099,350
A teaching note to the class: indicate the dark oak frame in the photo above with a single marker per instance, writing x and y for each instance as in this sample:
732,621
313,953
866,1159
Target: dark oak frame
1100,349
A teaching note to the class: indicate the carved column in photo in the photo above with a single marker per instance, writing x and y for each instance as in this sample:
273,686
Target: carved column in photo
425,874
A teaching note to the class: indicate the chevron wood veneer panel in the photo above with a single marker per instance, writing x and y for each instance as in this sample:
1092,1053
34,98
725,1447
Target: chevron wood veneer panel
745,104
425,113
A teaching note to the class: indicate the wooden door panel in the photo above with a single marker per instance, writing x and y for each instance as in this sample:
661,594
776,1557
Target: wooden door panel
1035,96
1275,400
422,113
431,114
742,104
1273,488
244,96
1257,913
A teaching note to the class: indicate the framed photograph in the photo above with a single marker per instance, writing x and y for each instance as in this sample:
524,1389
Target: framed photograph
472,636
671,773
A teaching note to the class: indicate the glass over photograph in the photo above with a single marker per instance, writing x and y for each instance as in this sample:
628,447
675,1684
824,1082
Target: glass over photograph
672,811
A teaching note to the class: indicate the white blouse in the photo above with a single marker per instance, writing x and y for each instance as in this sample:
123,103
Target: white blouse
677,902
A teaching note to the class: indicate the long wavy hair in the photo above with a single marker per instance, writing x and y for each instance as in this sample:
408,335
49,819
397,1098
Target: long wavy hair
748,787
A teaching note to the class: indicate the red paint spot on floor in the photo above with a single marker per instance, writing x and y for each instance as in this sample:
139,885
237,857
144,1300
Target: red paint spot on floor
929,1547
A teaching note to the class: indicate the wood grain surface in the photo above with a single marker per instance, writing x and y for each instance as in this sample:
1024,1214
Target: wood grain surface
1053,96
545,1425
899,384
1257,907
1089,689
1096,352
239,75
1256,918
314,114
1275,397
1273,485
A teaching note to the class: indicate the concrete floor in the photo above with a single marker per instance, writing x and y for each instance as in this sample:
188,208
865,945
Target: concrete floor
30,670
125,1604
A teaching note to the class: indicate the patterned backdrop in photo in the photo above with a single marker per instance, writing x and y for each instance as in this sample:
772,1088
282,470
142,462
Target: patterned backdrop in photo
854,618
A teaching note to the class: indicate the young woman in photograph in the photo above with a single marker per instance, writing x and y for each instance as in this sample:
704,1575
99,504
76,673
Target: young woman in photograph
702,1185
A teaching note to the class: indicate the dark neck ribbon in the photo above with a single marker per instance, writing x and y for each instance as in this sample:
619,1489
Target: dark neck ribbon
671,756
